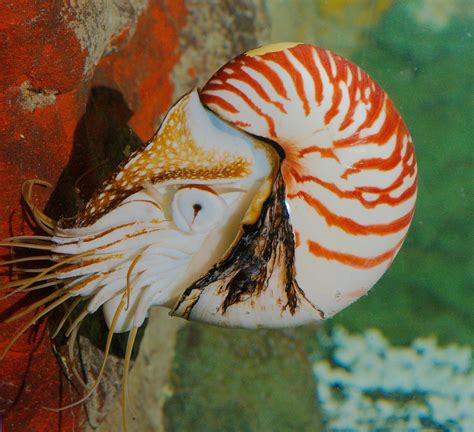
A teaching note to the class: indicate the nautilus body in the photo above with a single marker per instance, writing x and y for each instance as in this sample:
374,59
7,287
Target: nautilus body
276,195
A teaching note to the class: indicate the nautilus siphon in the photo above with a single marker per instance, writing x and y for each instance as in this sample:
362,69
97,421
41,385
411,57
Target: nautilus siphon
276,195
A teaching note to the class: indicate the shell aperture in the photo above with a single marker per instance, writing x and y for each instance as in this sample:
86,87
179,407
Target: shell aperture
277,195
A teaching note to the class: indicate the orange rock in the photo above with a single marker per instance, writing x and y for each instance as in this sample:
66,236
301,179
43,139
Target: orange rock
52,55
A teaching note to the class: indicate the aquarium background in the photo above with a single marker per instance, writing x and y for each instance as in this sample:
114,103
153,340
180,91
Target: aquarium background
400,358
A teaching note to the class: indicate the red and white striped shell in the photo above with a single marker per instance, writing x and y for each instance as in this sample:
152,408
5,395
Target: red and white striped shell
349,172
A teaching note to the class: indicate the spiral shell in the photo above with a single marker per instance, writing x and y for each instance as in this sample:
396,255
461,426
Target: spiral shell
349,174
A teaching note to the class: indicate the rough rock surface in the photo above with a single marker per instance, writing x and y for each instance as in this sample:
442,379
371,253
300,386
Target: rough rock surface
75,76
215,32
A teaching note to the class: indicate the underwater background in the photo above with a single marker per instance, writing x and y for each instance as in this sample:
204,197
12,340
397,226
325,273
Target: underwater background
401,357
85,83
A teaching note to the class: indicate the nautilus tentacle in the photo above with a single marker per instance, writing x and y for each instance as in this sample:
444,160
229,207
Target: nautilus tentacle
277,195
349,175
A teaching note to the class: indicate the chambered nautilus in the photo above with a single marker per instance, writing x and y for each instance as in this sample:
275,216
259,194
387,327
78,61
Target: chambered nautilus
276,195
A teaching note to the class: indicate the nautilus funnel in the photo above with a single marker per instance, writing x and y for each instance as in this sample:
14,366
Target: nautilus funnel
348,185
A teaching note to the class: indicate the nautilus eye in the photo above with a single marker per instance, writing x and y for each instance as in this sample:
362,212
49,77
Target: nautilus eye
197,209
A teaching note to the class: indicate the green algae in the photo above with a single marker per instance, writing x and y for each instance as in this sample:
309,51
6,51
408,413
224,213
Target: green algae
240,380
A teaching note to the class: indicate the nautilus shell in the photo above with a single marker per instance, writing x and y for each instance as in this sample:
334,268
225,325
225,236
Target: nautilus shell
276,195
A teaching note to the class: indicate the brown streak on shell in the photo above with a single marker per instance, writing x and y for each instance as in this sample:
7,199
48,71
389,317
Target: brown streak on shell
245,272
